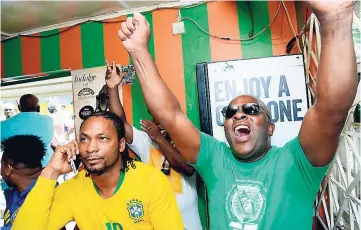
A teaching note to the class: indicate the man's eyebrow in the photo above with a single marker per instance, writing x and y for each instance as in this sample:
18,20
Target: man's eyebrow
99,134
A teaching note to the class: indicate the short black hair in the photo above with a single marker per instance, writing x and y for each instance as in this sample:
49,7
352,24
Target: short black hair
28,150
119,126
29,103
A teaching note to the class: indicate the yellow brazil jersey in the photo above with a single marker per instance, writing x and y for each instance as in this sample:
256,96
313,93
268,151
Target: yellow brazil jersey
145,200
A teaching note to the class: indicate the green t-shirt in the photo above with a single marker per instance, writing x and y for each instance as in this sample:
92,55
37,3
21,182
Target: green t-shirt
276,192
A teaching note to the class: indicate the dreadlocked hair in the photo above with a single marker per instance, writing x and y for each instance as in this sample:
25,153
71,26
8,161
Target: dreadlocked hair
119,126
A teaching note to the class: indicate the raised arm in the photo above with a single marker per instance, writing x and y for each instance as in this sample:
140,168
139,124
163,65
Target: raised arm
171,153
114,78
336,82
161,103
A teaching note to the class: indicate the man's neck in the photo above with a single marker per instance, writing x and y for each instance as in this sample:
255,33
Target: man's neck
108,181
25,181
257,157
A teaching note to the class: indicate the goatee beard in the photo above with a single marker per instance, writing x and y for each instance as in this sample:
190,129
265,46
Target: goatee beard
97,172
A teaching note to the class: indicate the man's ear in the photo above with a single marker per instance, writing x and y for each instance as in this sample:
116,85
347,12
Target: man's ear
122,145
8,169
271,128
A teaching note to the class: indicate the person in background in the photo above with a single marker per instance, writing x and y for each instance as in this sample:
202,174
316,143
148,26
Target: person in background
2,115
252,184
30,122
60,137
9,110
155,148
60,132
113,192
20,171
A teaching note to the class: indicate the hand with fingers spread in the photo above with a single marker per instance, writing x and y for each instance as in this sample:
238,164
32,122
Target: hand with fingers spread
151,129
60,162
134,33
113,75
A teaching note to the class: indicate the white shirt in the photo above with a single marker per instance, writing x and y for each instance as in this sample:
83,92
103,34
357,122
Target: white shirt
188,200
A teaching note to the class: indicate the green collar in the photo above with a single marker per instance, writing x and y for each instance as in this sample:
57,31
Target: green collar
120,182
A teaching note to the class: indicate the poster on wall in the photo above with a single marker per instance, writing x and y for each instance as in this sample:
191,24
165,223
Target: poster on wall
89,93
278,81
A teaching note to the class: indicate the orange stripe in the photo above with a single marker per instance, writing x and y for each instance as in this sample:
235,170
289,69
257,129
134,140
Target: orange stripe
2,61
70,49
114,51
281,30
31,57
168,53
223,21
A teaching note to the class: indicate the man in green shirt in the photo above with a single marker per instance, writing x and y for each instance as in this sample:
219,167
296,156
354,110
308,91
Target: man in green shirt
252,184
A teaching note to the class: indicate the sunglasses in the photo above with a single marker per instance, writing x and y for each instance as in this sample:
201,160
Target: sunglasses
248,108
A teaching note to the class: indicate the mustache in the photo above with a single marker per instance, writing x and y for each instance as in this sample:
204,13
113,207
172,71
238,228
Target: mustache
91,157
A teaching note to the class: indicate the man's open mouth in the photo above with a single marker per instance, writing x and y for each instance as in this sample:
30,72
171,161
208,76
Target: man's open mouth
242,131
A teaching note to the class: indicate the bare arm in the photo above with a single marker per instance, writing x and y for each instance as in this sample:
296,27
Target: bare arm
173,156
162,104
175,159
113,79
336,83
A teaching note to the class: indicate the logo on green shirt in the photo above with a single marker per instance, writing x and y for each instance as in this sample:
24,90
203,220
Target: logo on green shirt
246,204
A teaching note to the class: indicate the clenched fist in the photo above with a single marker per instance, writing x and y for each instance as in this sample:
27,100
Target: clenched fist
134,33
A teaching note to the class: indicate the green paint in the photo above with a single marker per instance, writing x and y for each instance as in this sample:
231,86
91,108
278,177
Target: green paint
140,109
50,51
300,14
12,57
196,49
261,46
92,41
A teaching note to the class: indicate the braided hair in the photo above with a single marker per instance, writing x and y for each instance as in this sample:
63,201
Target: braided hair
119,126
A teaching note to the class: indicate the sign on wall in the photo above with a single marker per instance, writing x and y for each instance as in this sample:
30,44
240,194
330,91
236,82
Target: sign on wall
87,84
278,81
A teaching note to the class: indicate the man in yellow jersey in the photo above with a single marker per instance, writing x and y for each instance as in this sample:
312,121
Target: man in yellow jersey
112,193
155,148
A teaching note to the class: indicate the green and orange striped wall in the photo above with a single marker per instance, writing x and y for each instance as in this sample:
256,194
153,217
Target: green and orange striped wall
176,56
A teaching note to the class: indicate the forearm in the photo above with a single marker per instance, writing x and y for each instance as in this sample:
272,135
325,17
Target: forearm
336,78
115,104
161,103
49,173
175,159
117,108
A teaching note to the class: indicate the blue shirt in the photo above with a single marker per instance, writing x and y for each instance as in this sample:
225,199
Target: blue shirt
31,123
14,200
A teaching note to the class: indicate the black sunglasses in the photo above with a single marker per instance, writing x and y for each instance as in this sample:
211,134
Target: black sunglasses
248,108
